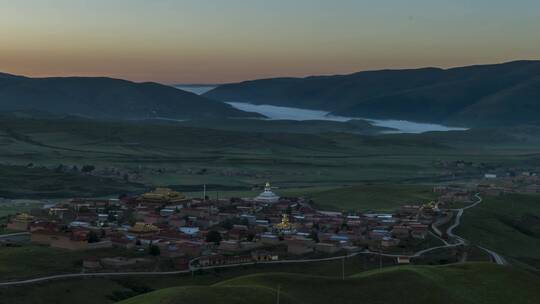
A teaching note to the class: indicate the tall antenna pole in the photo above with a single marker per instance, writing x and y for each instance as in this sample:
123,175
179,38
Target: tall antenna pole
204,192
343,268
380,259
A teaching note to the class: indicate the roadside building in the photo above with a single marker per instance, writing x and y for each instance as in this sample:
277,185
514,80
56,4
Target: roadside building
21,222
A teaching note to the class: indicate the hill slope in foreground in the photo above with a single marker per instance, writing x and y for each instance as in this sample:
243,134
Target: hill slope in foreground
460,283
101,97
482,95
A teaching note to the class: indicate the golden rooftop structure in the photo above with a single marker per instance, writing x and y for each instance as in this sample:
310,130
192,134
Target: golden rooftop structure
143,228
20,222
285,226
24,217
163,195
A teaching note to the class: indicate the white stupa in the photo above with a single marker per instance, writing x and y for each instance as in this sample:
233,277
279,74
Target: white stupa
267,196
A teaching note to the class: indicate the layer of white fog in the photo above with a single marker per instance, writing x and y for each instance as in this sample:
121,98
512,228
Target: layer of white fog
399,126
195,88
275,112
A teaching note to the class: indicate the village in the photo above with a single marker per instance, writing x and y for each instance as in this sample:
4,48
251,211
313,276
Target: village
196,233
219,232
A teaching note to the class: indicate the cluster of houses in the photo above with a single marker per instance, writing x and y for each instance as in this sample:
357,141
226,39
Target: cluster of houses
220,231
510,181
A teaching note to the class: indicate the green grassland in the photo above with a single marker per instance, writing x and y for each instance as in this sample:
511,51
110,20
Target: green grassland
177,155
462,283
286,126
362,197
377,197
108,290
509,225
42,183
33,260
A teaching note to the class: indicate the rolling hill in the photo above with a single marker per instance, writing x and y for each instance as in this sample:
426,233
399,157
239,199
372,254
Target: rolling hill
100,97
460,283
481,95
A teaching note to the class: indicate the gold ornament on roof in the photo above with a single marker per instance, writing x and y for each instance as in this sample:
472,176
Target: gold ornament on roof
285,224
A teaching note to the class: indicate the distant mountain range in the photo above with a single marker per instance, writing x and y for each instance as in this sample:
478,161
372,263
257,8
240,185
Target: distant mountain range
100,97
481,95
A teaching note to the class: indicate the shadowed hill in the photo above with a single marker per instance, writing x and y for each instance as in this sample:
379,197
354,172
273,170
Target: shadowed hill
462,283
101,97
497,94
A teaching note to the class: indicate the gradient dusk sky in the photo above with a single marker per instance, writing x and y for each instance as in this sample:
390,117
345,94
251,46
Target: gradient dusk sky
214,41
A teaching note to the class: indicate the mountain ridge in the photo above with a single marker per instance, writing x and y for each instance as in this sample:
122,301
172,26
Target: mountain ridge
109,98
456,96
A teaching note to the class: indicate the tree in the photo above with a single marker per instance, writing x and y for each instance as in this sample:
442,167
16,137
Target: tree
213,237
88,168
92,237
314,236
154,250
244,221
227,224
84,209
59,168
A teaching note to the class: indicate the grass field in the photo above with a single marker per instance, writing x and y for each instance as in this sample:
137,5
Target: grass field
378,197
176,155
362,197
462,283
107,290
42,183
33,260
509,225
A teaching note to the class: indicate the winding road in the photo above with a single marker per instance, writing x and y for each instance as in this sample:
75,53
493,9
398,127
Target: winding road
495,257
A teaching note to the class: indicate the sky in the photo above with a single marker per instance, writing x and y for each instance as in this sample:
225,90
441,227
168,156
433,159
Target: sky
218,41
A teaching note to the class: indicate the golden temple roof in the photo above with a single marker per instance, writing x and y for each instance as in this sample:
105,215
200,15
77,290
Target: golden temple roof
141,227
285,224
24,217
163,195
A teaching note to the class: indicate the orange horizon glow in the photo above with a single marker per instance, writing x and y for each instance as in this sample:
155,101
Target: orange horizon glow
228,41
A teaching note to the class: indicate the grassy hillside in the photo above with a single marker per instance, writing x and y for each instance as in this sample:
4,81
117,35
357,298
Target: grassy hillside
509,225
480,95
108,98
464,283
110,290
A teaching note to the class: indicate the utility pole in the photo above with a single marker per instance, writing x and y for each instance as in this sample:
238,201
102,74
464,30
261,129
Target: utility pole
204,192
380,260
343,269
